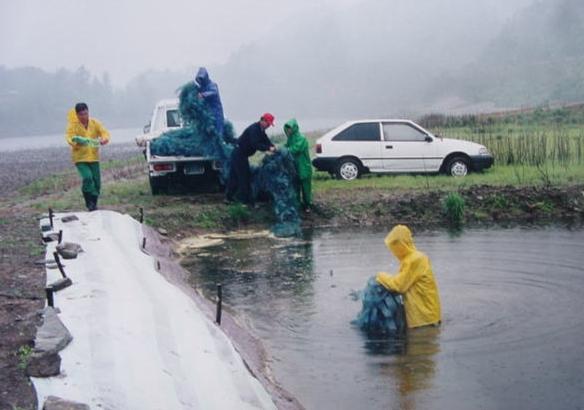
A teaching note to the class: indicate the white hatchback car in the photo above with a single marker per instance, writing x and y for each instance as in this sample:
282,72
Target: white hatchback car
395,146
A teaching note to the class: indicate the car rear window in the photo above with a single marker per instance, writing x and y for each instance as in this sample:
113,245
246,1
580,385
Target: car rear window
401,132
368,131
172,118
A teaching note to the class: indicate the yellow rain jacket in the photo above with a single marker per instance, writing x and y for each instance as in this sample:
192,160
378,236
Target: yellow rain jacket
415,279
79,152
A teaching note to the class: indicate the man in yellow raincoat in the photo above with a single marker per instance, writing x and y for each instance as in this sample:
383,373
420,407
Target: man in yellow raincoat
85,135
414,280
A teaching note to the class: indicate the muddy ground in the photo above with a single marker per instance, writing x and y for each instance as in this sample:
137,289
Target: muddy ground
22,282
18,168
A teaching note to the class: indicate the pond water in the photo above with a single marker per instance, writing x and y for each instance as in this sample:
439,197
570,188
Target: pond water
512,333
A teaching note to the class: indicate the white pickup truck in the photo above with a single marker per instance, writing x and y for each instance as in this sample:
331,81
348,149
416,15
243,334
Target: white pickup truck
169,173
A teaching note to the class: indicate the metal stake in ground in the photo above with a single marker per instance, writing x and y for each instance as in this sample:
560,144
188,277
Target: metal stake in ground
60,236
51,216
141,215
59,264
50,299
219,303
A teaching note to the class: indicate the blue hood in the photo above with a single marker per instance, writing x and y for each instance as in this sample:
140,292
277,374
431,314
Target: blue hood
202,77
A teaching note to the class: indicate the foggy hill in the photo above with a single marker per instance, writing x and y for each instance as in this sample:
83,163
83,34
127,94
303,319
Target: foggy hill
537,57
373,59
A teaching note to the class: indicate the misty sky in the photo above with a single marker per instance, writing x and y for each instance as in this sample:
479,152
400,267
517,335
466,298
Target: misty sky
128,37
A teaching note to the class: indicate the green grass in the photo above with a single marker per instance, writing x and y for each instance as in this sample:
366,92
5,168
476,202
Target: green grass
496,176
118,169
453,206
24,353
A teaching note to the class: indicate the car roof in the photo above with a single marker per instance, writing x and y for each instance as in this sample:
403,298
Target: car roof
378,120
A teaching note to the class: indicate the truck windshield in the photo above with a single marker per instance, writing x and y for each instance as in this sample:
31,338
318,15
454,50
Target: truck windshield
173,119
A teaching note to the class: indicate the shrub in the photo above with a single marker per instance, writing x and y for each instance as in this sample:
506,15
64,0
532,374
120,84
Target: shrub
453,206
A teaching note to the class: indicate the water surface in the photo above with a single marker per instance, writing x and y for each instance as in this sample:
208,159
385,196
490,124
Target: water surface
512,333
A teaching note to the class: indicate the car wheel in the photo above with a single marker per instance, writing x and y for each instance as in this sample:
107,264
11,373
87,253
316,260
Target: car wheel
457,167
348,169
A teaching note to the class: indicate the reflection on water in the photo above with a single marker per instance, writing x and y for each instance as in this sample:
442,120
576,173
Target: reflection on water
512,329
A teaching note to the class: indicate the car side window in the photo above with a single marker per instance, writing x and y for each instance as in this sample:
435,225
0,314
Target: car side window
368,131
402,132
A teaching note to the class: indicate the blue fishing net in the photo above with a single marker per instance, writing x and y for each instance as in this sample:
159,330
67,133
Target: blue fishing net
382,311
276,176
198,136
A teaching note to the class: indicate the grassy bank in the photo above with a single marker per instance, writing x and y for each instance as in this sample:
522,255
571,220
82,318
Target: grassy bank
408,199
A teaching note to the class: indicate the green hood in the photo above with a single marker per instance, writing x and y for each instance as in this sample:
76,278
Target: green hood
293,124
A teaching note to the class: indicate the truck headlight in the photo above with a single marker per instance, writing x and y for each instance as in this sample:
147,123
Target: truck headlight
484,151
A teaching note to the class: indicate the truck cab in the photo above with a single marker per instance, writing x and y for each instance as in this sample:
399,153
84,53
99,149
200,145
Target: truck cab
176,173
165,117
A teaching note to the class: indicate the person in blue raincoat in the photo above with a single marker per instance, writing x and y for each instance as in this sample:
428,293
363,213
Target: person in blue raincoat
209,91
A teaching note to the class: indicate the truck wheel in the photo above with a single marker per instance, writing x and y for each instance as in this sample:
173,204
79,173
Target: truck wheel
457,167
157,185
348,169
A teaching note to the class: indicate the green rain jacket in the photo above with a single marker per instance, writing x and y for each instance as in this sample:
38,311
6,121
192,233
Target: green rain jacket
298,147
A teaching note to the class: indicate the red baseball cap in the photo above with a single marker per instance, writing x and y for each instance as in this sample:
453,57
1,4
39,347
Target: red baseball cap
269,118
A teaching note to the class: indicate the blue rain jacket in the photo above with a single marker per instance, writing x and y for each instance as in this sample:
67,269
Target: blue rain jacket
210,92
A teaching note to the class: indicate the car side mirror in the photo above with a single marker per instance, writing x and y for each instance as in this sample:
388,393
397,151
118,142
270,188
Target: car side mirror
428,138
146,128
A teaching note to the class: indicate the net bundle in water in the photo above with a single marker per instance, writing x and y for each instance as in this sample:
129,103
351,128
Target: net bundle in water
277,177
198,136
382,310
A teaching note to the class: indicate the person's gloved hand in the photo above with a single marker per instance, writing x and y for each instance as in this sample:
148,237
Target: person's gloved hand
383,279
85,141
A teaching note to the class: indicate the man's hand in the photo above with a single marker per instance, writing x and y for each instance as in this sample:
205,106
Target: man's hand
273,148
103,141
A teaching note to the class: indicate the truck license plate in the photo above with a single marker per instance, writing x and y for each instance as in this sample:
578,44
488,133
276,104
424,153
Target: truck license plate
194,169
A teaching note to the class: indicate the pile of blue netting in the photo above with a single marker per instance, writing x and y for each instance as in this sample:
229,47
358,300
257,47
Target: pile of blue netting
198,136
276,176
382,313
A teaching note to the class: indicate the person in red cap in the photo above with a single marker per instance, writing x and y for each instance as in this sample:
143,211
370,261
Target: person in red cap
253,139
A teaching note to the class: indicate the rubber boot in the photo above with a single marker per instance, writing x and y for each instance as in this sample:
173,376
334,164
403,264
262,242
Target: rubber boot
88,201
94,202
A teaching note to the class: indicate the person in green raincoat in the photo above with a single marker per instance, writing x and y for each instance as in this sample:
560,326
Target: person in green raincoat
298,147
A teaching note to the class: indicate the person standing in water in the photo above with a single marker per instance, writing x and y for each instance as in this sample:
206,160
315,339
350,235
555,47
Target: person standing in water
85,135
414,280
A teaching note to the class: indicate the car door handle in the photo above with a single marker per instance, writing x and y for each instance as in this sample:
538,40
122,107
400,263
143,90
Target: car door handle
389,147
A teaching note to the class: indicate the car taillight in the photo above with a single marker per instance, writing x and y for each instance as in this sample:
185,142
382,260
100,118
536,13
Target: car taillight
318,149
163,167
